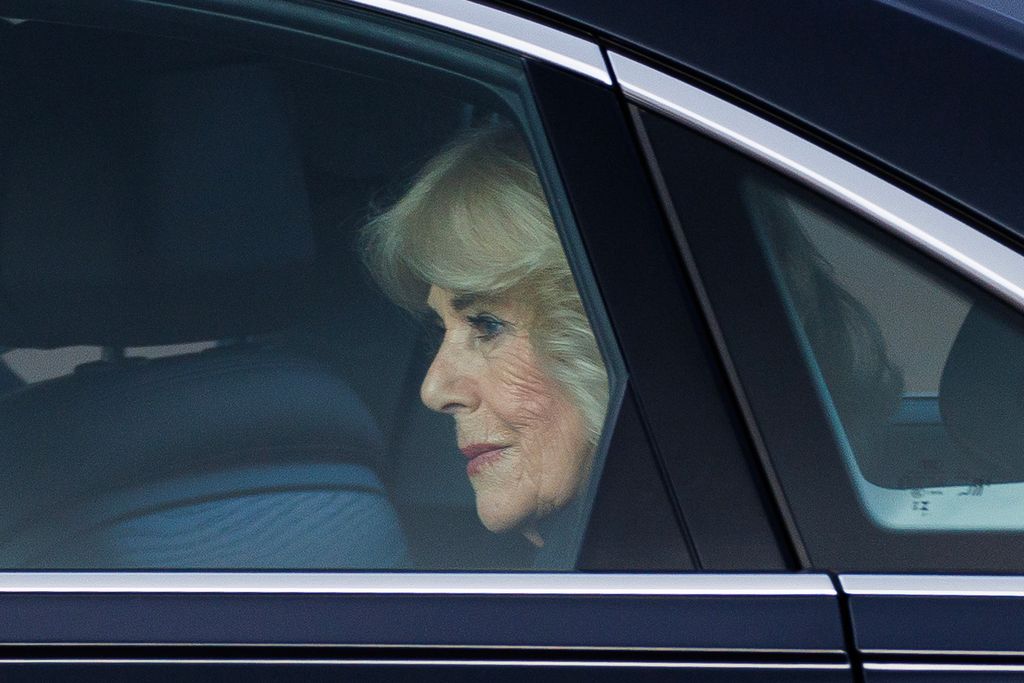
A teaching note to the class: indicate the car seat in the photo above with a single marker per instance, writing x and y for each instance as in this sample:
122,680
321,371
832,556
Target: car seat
981,396
163,209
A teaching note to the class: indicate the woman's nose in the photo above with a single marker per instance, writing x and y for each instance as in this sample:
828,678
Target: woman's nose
447,386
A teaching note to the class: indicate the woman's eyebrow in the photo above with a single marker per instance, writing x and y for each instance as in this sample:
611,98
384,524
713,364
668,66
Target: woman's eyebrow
461,302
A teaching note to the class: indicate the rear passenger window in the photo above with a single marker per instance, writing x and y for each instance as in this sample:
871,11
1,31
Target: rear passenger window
270,302
884,385
919,373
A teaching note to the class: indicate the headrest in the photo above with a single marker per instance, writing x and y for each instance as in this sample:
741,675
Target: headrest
171,209
981,395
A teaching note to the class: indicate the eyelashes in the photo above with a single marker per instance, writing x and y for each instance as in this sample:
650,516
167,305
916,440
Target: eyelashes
486,326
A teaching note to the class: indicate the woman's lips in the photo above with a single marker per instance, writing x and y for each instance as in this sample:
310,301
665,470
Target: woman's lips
481,454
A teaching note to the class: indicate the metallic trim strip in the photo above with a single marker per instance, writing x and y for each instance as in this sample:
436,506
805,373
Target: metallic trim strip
987,262
946,653
977,668
469,649
442,662
419,584
507,30
933,586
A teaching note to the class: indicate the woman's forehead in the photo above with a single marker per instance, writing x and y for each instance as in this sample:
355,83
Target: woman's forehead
441,299
438,297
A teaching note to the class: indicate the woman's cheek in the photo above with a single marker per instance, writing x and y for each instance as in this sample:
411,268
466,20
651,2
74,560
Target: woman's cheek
524,395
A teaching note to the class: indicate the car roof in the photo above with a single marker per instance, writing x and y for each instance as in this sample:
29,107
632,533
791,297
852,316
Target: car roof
1010,9
928,89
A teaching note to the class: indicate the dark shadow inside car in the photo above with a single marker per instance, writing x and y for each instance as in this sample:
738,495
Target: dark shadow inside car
155,193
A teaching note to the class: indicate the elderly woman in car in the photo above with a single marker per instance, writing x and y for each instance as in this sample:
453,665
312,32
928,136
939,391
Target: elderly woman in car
472,246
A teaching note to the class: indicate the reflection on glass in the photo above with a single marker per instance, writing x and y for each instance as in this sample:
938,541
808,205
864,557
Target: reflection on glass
920,373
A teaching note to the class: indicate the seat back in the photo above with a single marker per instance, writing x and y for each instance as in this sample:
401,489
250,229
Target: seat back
166,210
981,395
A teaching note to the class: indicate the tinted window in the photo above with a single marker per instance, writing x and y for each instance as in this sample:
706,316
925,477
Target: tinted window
258,294
916,370
883,386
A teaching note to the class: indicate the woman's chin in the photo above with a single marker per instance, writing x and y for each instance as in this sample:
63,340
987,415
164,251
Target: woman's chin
496,519
527,527
502,504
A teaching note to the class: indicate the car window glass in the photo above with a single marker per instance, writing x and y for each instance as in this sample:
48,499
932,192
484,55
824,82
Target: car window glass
918,371
880,384
266,308
36,365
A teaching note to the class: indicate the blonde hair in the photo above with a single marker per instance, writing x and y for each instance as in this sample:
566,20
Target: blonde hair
475,221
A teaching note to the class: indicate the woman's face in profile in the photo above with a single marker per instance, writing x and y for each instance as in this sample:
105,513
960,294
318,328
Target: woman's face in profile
524,439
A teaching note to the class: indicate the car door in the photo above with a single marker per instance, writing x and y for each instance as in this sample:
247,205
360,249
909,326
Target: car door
874,343
215,568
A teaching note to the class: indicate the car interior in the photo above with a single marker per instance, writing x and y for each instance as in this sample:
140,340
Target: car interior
942,454
197,369
184,216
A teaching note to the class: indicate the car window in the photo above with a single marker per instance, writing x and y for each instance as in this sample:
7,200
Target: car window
882,383
916,370
36,365
278,303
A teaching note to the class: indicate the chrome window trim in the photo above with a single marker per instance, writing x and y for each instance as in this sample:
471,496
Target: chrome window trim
984,260
944,653
501,28
933,586
977,668
398,583
446,662
512,650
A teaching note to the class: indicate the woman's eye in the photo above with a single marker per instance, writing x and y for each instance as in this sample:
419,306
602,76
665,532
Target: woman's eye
486,326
